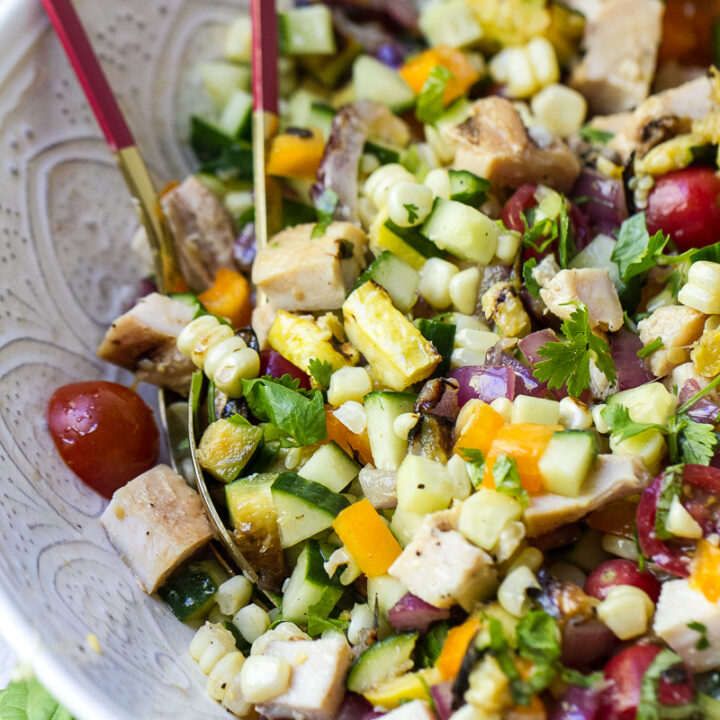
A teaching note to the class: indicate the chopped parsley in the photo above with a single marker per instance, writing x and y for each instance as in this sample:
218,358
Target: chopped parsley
670,489
319,618
321,370
431,100
650,348
568,362
530,282
507,479
475,464
412,211
325,206
593,135
703,643
649,707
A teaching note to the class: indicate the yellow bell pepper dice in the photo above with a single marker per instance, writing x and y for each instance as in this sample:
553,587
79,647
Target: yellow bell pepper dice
399,690
296,153
367,538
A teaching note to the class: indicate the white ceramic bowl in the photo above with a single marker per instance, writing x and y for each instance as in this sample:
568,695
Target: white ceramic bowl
65,269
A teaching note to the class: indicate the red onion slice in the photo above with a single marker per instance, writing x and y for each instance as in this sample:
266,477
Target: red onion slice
484,383
413,613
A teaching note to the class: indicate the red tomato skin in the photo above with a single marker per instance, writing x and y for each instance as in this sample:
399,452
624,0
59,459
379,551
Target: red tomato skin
274,364
613,573
625,672
104,432
686,205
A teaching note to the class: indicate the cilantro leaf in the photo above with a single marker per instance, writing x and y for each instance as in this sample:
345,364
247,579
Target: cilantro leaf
671,488
430,101
538,637
325,206
412,211
475,464
507,479
29,699
622,426
301,415
569,361
530,282
649,707
321,370
697,441
319,618
566,244
703,643
594,135
430,647
635,251
575,677
650,348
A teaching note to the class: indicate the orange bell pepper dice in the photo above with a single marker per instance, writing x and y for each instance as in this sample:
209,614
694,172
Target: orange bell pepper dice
367,538
229,297
296,154
479,424
705,571
416,71
354,444
525,443
455,646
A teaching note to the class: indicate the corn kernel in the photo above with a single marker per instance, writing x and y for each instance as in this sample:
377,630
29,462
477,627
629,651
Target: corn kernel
223,673
462,487
463,289
503,406
512,593
600,423
218,648
264,677
252,621
378,185
574,414
620,546
507,247
404,423
560,108
438,180
627,611
530,557
409,203
217,353
362,620
444,151
681,523
479,341
543,61
467,322
705,301
349,383
435,279
190,335
234,700
233,594
352,415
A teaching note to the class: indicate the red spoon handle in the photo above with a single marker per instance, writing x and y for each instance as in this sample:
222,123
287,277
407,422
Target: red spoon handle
264,56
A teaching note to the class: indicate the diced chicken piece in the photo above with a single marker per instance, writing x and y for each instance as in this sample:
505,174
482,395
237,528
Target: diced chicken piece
300,273
495,144
378,487
317,686
691,101
441,567
415,710
144,339
621,44
681,374
202,230
600,387
614,477
678,327
546,270
589,8
591,287
155,522
679,605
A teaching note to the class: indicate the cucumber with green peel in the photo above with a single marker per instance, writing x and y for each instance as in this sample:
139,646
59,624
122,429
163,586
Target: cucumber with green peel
226,448
382,409
382,661
321,116
236,115
417,240
567,461
442,336
330,466
190,593
397,277
307,584
376,81
305,508
462,230
467,187
450,23
307,31
222,79
384,153
328,70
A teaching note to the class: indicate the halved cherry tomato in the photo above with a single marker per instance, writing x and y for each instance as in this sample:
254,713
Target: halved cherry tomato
701,488
616,572
104,432
625,673
686,205
274,364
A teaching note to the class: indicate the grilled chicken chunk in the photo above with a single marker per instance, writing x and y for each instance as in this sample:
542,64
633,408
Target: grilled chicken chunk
203,232
589,286
678,327
144,340
614,477
298,272
155,522
621,43
495,144
317,687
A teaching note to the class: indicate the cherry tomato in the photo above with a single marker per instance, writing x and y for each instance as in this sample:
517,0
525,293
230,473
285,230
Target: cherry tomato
104,432
701,487
625,673
273,363
612,573
686,205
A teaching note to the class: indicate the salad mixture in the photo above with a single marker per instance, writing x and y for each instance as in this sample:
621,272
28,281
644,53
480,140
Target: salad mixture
461,412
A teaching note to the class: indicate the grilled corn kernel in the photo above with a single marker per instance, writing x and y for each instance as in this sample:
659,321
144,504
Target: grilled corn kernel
404,423
208,341
217,353
233,594
620,546
627,611
352,415
252,621
435,279
706,354
503,406
378,185
237,366
463,289
349,383
574,414
702,290
467,322
507,247
221,643
438,180
264,677
560,109
192,333
600,424
223,673
409,203
681,523
530,557
512,593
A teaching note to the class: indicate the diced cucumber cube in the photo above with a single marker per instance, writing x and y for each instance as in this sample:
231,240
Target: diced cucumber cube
423,485
450,23
540,411
235,117
238,41
462,230
648,403
397,277
221,79
566,462
382,661
485,514
405,524
376,81
382,408
307,31
330,466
